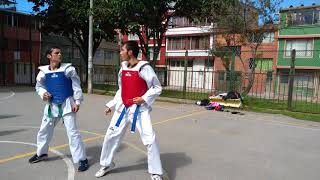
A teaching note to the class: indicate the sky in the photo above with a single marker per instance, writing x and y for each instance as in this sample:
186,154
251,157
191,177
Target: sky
26,7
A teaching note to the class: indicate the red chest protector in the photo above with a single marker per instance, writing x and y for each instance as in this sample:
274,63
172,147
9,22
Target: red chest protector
132,84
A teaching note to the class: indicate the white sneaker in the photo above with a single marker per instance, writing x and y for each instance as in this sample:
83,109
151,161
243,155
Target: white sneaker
104,170
156,177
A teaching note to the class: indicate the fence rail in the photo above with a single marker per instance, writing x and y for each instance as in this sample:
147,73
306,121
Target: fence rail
270,87
267,78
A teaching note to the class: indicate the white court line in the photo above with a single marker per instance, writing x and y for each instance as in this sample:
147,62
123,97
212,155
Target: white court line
64,158
38,127
7,97
134,147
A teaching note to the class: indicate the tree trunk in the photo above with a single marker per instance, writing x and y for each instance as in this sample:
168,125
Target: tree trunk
250,83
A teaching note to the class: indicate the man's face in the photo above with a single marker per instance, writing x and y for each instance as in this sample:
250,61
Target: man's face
55,56
124,53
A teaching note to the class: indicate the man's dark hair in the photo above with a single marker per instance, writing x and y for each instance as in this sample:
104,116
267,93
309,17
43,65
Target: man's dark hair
49,51
133,46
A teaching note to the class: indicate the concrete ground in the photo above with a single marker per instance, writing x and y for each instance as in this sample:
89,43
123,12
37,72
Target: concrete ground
195,144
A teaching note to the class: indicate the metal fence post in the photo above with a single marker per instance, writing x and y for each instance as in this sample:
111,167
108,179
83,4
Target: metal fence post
185,74
232,73
291,79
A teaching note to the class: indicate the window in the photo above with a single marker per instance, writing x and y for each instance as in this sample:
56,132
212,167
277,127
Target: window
180,63
34,24
172,63
99,56
133,37
263,65
198,42
176,22
209,63
151,33
99,53
176,43
17,68
304,79
303,17
317,16
16,55
204,42
284,77
269,76
191,42
139,55
12,20
190,63
180,22
76,53
268,37
108,55
194,42
151,54
221,75
303,47
24,68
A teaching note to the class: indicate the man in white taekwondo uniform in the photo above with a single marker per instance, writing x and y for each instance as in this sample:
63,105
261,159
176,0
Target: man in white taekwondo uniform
138,88
59,85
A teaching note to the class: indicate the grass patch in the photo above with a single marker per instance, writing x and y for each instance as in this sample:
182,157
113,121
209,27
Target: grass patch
179,94
301,110
297,106
102,89
296,115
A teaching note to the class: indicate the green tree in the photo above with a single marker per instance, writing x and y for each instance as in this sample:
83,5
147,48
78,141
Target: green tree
70,19
149,19
241,22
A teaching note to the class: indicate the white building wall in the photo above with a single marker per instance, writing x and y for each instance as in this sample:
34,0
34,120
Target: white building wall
198,76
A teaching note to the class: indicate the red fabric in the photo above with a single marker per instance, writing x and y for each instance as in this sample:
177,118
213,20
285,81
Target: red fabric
132,86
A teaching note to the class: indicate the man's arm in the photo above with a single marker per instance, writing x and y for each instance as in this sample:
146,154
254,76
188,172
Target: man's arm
77,91
40,87
148,74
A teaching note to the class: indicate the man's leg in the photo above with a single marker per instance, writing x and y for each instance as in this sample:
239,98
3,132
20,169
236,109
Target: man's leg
148,138
112,139
77,149
45,135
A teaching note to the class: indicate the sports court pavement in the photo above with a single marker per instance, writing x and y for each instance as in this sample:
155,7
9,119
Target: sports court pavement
195,144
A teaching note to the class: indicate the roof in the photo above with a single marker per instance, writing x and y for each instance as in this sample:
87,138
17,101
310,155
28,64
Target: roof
7,2
300,8
13,11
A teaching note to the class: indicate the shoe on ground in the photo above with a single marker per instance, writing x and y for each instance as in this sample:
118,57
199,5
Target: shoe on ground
104,170
35,158
156,177
83,165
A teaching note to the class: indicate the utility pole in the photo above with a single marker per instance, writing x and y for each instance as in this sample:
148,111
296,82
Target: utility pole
291,79
185,74
119,61
90,50
2,46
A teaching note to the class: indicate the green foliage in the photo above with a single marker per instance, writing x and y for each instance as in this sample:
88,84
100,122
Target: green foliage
149,19
71,18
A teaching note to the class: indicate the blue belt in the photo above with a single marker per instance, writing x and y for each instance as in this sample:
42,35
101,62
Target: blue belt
134,121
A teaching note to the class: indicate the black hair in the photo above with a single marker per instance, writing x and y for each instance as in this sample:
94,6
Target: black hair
49,51
133,46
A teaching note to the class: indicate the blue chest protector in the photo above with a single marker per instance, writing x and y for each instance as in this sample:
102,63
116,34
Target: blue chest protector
59,86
